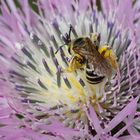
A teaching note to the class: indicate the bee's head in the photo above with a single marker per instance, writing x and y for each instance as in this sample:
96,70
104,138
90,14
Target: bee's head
79,45
79,42
75,45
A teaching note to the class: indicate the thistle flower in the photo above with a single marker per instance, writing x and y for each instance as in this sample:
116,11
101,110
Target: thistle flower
40,102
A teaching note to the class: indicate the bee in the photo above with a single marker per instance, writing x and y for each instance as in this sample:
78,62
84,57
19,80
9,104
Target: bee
99,62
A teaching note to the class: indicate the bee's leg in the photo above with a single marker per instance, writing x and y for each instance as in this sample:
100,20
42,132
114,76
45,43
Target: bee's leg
75,63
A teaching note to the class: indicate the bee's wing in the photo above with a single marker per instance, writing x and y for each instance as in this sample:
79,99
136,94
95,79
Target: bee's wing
99,64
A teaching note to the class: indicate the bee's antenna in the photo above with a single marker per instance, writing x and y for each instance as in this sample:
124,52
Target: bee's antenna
59,48
66,39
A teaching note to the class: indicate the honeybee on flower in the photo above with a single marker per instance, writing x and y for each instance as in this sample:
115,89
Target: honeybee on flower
99,62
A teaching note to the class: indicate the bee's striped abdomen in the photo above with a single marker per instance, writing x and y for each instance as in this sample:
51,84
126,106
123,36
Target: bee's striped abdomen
93,78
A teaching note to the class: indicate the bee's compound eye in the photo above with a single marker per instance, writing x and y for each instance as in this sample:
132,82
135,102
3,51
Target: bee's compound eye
79,42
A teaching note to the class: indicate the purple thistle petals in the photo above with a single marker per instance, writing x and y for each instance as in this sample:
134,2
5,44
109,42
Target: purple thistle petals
4,112
27,13
112,138
14,10
127,111
83,4
126,127
128,138
92,116
30,63
12,133
126,17
69,10
108,5
120,8
59,130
